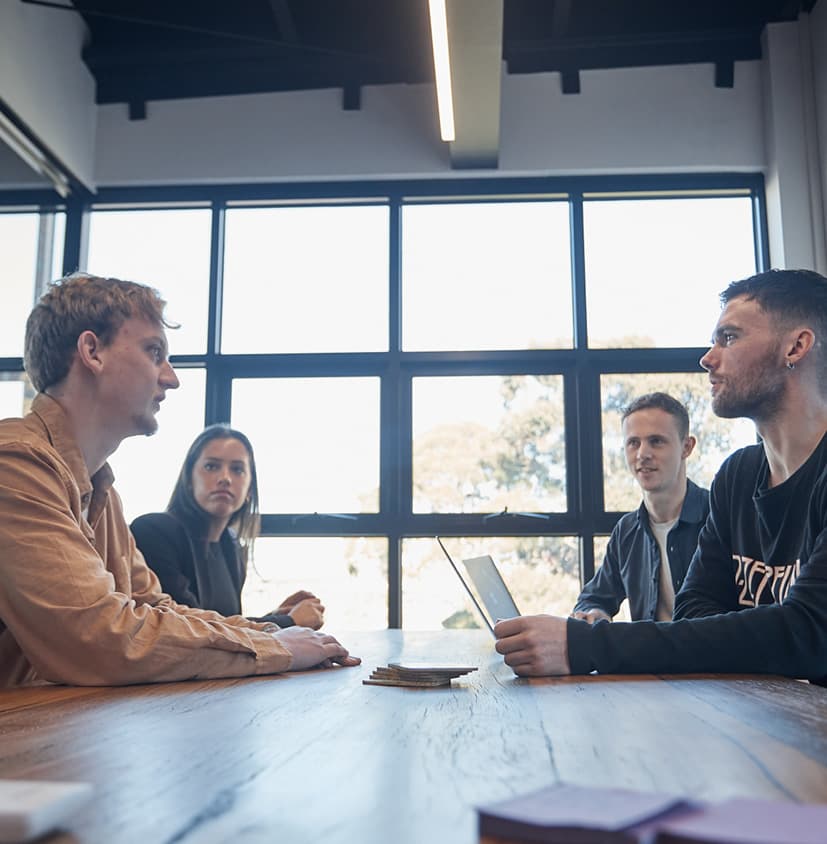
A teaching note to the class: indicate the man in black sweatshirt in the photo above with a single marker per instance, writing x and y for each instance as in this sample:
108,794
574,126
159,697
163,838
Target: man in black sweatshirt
755,597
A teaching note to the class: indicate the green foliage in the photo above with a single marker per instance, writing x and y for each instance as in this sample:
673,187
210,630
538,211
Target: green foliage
518,463
461,620
716,438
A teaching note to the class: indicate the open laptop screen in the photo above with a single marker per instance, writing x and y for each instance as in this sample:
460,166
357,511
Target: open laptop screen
485,586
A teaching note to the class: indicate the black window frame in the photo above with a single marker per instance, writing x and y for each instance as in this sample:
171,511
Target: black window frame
580,366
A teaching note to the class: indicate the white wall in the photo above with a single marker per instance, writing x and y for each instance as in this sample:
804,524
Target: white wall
794,189
651,119
631,120
266,137
44,82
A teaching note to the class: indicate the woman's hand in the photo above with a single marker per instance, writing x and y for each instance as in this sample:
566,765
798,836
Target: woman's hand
291,600
308,613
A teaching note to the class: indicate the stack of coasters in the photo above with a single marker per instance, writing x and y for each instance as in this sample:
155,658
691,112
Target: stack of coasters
419,674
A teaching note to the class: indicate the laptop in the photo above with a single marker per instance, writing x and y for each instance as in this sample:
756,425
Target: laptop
485,586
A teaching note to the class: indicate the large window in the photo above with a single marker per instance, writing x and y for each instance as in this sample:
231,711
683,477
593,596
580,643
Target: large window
482,444
293,274
349,573
412,360
649,259
541,572
168,249
486,276
31,243
316,442
146,468
15,394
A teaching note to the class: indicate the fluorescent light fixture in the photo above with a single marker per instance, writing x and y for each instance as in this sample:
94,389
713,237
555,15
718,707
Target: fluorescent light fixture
29,152
442,68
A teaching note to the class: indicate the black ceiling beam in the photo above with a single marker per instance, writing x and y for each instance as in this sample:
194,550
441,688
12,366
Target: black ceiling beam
724,74
284,20
352,97
197,82
560,18
791,8
570,81
138,74
137,110
632,52
142,53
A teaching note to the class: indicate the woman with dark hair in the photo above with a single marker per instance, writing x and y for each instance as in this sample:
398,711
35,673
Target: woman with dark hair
200,545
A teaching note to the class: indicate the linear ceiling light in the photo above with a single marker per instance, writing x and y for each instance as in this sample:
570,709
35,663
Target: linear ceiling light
442,68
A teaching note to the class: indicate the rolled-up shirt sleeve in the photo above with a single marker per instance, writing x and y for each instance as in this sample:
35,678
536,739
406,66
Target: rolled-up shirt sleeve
79,605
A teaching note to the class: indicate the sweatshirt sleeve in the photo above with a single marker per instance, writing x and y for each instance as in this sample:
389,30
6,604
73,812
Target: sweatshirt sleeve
789,639
709,634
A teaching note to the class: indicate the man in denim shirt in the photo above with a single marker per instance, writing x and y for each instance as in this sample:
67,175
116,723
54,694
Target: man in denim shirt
650,549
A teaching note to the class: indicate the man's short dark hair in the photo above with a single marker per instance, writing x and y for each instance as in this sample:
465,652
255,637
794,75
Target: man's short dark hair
664,402
790,295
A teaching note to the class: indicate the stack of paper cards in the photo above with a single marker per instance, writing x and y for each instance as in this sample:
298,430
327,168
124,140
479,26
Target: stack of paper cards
745,821
570,814
419,674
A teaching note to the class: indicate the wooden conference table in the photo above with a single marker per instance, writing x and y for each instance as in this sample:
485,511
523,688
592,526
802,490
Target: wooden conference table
321,757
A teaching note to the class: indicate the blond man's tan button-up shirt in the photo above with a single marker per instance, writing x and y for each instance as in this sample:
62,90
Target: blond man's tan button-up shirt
78,604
